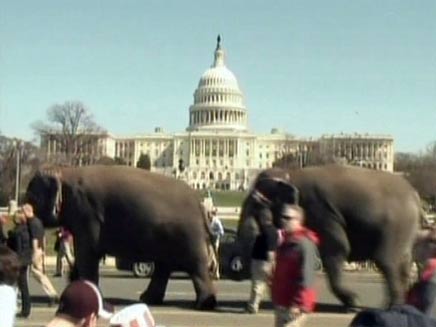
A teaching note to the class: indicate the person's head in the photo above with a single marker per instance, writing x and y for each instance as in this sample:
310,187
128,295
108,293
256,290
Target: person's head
9,266
292,217
80,304
28,210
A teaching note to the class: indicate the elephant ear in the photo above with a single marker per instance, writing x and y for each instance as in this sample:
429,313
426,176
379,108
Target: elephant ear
279,192
264,191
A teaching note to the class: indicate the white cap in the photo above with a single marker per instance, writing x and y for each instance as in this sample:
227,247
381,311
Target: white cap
137,315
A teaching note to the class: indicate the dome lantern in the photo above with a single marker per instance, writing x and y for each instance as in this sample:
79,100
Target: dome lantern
219,54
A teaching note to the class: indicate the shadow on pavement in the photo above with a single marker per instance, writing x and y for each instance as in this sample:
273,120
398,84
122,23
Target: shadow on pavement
40,300
226,306
330,308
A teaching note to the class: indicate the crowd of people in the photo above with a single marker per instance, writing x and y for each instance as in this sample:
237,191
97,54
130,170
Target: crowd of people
80,304
27,239
282,261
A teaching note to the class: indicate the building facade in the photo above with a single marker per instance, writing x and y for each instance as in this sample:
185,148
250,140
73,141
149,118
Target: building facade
218,151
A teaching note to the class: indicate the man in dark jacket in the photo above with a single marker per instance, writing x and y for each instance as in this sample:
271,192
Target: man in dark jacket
262,259
19,240
37,267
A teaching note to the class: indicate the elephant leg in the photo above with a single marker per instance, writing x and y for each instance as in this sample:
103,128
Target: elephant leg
391,272
333,266
204,289
155,292
335,251
393,259
85,266
74,273
405,271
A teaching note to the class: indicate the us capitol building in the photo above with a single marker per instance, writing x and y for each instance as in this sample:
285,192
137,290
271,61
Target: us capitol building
218,151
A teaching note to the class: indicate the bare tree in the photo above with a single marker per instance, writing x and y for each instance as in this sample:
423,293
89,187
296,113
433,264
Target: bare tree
17,158
71,127
420,170
313,157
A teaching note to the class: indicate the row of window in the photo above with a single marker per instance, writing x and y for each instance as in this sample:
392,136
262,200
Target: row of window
211,98
212,116
214,175
218,186
212,81
207,162
374,165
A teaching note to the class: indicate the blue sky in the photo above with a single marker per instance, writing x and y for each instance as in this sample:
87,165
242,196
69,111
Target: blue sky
307,67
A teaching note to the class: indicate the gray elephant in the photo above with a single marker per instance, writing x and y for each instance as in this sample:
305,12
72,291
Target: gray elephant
131,213
359,214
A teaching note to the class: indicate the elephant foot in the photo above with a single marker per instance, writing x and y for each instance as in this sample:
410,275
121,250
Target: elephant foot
150,299
208,303
350,301
352,309
73,275
394,302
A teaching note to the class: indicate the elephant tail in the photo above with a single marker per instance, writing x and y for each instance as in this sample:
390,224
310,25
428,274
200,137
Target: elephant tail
212,259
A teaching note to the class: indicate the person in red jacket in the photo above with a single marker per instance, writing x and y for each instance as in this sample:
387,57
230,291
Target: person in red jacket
292,287
422,294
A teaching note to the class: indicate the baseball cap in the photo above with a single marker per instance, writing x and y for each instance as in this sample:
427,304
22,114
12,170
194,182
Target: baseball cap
82,298
135,315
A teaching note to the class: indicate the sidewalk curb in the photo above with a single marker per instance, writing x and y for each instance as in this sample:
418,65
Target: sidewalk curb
50,260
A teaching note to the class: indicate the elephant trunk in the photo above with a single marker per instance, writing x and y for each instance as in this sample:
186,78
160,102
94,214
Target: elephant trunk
248,230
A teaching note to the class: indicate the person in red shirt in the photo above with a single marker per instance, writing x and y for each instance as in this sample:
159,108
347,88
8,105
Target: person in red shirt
292,286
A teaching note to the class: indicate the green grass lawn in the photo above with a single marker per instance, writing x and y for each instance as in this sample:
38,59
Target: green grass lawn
230,223
227,198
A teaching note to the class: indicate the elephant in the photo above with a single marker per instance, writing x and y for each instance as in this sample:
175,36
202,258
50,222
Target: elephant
359,214
130,213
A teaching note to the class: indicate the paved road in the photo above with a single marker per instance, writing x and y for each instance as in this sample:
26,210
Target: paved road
121,289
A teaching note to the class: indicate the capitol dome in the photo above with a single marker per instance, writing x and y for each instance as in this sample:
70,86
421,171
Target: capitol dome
218,101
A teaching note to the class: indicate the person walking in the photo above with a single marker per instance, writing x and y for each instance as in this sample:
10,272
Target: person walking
37,234
292,286
19,240
262,260
422,294
63,244
216,228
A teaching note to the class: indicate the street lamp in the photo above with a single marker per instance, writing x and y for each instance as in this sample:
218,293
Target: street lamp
18,152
